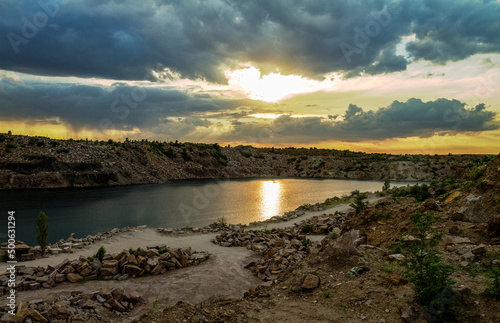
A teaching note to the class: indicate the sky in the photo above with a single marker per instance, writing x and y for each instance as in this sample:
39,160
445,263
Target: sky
398,76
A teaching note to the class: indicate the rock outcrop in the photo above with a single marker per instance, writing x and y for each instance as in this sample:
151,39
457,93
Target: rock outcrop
38,162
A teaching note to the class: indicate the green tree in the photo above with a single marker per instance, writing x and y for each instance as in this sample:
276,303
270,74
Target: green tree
424,268
42,230
387,184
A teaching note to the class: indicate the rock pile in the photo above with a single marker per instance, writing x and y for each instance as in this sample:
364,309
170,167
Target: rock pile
120,266
214,227
322,224
77,307
72,242
279,248
220,226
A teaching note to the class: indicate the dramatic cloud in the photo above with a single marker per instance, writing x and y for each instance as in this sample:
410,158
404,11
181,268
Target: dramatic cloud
413,118
137,40
118,107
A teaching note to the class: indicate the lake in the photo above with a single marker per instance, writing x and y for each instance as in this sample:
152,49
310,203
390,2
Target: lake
175,205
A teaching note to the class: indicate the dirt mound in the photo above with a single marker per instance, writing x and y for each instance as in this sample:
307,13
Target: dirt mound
384,222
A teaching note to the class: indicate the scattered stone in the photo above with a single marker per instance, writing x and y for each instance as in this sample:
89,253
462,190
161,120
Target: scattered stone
396,257
310,282
479,249
408,313
468,256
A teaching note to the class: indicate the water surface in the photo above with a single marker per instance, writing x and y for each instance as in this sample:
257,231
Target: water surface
175,205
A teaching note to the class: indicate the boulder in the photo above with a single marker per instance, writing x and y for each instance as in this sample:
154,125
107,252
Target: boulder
74,278
116,305
349,242
106,291
132,269
468,256
106,271
109,263
310,282
472,210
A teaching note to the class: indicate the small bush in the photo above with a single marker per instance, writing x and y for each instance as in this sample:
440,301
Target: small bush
494,284
185,155
306,242
101,252
307,228
477,172
359,205
387,185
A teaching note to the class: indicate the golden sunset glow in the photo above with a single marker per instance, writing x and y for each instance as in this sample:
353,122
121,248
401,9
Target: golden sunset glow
270,193
271,87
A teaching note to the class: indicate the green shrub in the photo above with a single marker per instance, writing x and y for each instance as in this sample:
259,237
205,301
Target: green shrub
419,192
306,242
101,252
423,268
42,229
185,155
494,284
359,205
387,184
476,172
307,228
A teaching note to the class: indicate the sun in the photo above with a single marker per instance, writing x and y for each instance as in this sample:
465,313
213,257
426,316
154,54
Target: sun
271,87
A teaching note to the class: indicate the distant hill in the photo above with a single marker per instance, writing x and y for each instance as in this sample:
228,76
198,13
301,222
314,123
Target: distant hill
39,162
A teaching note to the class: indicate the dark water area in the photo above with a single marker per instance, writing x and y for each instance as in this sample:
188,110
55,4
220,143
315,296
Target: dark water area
172,205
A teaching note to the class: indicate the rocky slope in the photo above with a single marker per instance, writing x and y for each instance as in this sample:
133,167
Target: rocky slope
357,277
38,162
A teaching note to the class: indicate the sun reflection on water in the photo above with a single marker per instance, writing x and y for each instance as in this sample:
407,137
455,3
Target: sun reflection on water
271,199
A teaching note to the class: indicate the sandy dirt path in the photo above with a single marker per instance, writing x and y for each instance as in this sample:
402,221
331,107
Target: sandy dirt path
221,276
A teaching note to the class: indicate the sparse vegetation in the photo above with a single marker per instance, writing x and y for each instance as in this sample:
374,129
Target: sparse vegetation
494,284
307,228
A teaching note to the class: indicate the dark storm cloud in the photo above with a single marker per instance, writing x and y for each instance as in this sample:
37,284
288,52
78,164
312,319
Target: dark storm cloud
119,106
129,39
413,118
